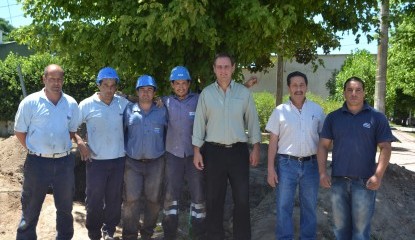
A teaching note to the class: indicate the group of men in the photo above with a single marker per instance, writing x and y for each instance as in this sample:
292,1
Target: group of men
139,153
131,149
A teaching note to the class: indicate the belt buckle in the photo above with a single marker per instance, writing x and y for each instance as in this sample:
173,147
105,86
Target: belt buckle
300,159
59,155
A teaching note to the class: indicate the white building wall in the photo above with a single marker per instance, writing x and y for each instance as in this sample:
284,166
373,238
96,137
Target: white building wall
316,80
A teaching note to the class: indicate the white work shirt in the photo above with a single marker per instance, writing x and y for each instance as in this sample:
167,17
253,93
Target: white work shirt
298,132
104,124
47,125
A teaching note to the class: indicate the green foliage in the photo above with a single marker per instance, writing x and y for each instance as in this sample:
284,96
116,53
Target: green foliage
360,64
331,83
6,27
151,36
265,104
327,105
401,71
77,84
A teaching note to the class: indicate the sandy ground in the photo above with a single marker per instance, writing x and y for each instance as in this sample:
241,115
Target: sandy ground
394,215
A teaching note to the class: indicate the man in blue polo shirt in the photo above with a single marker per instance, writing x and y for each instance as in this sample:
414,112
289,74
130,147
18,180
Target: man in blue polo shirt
144,125
45,123
356,131
105,155
181,109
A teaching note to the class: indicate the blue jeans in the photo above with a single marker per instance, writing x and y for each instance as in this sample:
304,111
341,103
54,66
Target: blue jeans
104,180
293,173
142,191
177,170
353,207
39,174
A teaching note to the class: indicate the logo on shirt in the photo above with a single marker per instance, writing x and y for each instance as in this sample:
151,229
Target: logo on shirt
191,115
157,130
366,125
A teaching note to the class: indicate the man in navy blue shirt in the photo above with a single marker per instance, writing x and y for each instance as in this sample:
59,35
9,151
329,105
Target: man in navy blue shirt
356,131
144,125
181,109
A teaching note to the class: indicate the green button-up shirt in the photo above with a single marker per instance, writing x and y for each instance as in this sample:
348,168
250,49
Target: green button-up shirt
223,117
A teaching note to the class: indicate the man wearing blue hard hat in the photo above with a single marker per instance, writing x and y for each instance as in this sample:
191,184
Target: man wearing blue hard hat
181,107
104,155
144,125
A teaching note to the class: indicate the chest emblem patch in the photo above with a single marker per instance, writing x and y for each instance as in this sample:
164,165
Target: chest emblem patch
366,125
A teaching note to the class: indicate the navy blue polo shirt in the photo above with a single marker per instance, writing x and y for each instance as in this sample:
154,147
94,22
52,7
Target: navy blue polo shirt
355,138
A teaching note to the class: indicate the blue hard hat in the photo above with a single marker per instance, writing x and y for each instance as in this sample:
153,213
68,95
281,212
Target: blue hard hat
107,73
179,73
146,80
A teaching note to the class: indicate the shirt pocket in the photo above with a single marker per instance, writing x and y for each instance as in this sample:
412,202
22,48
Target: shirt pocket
236,107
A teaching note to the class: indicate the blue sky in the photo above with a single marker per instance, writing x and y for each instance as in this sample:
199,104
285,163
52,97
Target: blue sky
12,12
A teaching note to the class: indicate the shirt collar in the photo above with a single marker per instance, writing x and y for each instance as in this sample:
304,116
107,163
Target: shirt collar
364,108
189,95
292,104
43,95
96,98
136,107
230,84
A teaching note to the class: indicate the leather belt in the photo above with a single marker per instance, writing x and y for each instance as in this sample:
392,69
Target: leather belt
142,160
302,159
52,155
349,177
222,145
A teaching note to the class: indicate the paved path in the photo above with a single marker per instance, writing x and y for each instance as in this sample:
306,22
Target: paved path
403,152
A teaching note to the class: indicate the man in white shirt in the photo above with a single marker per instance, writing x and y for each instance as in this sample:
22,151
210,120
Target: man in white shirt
294,129
45,123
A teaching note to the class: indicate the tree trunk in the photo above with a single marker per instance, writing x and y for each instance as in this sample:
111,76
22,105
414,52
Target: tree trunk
280,80
382,57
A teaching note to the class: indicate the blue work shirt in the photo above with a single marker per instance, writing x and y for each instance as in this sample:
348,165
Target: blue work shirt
47,125
181,115
104,125
355,138
144,131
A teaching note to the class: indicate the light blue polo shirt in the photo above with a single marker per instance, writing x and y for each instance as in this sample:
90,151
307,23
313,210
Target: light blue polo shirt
104,125
47,126
144,131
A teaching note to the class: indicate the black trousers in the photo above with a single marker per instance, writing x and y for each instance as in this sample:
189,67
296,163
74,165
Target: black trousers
223,164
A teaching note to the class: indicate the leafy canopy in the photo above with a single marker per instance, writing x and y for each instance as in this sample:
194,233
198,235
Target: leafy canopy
152,36
6,27
361,64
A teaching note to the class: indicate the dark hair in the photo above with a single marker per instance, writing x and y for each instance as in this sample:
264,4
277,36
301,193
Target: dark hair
353,79
224,55
296,74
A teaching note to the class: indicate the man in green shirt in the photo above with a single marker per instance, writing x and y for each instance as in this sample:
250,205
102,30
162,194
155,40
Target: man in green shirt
225,109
